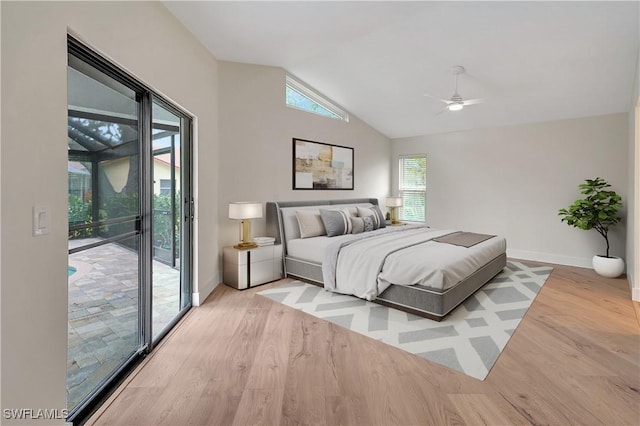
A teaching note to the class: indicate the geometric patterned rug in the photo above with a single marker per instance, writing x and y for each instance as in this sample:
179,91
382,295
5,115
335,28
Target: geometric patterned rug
468,340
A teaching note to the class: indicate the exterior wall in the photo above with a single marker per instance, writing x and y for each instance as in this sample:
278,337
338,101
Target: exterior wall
117,172
162,171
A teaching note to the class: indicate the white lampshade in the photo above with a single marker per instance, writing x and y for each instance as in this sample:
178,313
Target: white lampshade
245,210
394,202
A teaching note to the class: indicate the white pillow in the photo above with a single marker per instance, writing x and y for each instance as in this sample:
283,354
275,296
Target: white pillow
353,211
310,223
357,225
370,212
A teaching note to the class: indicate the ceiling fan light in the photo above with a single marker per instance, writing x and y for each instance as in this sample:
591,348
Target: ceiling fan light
455,107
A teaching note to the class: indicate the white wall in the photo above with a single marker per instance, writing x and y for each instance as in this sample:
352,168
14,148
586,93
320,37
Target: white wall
146,40
0,212
512,181
256,131
633,233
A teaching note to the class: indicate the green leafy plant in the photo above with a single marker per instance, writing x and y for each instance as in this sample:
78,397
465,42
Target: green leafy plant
81,213
166,225
598,210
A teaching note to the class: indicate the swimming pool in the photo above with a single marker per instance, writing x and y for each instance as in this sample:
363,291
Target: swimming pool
71,270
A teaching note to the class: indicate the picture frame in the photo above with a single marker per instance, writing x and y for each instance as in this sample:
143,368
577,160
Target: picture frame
322,166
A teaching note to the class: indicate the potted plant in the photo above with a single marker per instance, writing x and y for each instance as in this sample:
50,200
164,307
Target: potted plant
599,211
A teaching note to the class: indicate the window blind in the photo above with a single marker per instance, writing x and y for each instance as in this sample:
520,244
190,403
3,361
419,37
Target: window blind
413,187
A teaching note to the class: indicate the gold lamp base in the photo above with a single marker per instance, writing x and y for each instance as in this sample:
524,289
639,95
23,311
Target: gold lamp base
245,246
394,216
245,233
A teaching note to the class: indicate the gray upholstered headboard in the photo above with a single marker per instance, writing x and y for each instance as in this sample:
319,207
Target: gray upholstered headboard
275,226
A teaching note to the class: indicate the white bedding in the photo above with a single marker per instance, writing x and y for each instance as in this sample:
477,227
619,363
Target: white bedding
311,249
365,267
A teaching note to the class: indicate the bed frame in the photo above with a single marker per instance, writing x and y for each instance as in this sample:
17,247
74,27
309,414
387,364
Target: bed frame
416,299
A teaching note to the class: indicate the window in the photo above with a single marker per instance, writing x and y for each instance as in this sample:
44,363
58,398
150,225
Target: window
165,186
301,97
413,187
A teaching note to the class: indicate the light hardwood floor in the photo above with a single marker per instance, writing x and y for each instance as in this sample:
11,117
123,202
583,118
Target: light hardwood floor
243,359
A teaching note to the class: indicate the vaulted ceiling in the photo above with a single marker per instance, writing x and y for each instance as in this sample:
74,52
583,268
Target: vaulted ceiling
529,61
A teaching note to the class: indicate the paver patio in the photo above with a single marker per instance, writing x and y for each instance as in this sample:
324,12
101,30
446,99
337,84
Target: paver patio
103,312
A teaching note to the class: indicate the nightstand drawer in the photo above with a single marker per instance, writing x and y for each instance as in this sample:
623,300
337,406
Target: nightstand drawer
247,268
261,272
259,254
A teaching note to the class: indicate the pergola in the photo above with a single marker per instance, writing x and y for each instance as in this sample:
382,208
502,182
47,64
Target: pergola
104,163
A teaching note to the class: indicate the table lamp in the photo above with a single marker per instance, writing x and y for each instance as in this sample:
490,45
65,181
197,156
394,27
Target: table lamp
394,203
245,211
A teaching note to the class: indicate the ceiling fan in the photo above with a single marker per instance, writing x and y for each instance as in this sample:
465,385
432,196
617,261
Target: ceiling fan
456,103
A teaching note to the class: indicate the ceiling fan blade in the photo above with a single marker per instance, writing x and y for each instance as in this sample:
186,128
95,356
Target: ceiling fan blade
442,110
473,101
436,98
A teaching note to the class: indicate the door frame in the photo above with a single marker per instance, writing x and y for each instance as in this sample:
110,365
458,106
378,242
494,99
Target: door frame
186,219
147,96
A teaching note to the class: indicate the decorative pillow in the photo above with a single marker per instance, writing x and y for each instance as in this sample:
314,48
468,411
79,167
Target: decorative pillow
310,224
368,223
357,225
381,219
371,212
336,222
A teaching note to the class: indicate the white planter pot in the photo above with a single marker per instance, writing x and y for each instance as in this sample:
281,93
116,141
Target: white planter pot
610,267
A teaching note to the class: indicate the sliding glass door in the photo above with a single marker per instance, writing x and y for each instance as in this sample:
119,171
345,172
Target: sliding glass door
129,270
104,228
171,215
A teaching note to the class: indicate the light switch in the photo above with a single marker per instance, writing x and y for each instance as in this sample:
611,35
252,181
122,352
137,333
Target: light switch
41,220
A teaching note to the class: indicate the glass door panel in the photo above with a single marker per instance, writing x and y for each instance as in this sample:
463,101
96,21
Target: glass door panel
170,190
104,229
103,313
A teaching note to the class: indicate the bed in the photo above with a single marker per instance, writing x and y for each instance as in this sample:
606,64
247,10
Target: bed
417,269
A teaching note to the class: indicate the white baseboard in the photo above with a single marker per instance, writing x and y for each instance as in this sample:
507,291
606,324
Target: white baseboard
195,299
198,298
580,262
562,260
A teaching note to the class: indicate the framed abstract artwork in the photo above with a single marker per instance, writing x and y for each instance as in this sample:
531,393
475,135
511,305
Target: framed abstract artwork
318,165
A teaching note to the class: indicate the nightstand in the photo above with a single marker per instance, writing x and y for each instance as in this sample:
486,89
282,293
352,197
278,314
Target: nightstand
243,269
